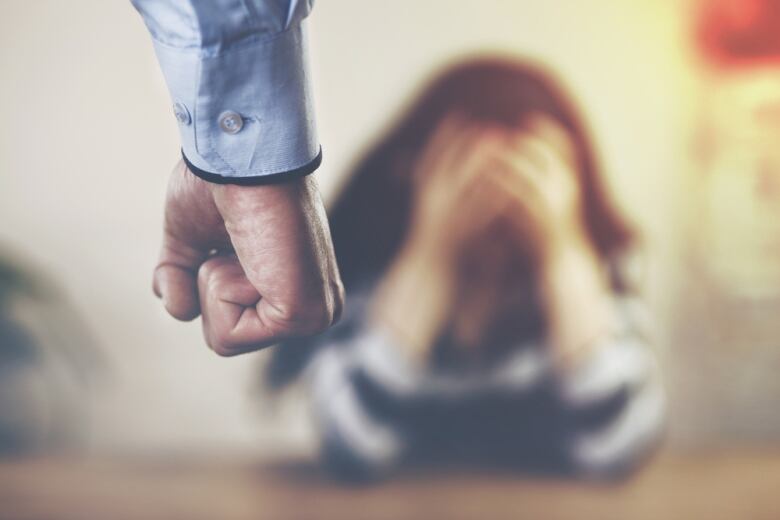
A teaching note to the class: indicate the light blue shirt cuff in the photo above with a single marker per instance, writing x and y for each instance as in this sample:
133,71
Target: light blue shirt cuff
245,114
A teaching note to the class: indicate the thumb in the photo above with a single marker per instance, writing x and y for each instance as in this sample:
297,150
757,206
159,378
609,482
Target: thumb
175,278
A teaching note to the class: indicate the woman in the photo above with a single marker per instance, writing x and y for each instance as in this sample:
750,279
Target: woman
488,320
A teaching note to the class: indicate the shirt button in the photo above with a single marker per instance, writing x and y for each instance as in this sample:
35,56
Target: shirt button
181,113
230,122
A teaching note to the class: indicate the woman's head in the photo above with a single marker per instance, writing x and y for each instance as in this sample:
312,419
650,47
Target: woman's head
375,214
370,219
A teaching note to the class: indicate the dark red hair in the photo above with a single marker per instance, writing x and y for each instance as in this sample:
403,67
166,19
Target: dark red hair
369,220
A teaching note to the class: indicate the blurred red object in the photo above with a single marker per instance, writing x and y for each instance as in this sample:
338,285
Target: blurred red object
740,32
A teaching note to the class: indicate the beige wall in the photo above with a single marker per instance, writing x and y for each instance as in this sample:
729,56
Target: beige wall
87,138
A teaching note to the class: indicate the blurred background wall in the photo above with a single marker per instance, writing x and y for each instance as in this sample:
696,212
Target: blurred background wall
87,138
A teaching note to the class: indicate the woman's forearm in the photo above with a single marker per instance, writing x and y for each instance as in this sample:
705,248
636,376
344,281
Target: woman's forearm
576,294
414,299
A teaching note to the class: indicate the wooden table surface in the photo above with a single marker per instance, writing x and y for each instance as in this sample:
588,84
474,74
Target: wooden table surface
728,484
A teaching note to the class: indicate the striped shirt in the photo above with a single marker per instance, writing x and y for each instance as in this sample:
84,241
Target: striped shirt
374,410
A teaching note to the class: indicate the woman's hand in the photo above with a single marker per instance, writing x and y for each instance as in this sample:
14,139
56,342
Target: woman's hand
572,280
472,175
452,202
451,197
473,181
541,176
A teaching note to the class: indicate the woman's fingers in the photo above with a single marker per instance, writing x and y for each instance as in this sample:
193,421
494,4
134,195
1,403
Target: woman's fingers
555,135
445,176
476,174
445,133
446,158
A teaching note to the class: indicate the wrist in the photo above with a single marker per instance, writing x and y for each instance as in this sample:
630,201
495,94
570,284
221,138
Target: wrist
575,291
427,248
280,177
571,263
567,239
413,299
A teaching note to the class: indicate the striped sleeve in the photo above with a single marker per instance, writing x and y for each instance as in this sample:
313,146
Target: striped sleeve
614,402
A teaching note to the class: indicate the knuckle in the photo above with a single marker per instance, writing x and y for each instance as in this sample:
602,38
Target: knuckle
223,347
308,319
323,321
223,351
340,295
219,341
338,298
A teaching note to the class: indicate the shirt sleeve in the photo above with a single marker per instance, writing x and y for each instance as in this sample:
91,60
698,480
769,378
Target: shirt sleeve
239,82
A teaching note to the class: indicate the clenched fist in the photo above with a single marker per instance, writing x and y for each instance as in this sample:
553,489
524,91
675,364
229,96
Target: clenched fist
256,261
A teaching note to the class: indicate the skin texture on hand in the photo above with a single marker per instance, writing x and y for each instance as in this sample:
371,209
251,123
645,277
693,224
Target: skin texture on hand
256,262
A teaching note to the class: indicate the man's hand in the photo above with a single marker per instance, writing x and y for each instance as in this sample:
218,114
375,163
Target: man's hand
257,262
